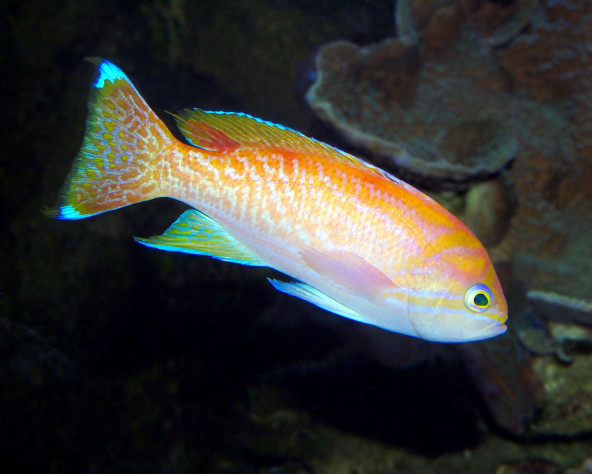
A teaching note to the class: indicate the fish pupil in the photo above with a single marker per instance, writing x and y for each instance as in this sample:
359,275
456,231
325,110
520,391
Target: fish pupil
481,300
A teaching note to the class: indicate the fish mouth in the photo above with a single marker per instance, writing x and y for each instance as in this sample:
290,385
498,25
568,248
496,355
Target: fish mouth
492,330
501,319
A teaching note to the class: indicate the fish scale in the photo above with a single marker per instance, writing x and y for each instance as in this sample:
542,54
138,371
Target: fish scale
358,241
272,205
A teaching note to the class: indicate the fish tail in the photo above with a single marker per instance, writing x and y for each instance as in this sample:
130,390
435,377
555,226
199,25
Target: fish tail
121,157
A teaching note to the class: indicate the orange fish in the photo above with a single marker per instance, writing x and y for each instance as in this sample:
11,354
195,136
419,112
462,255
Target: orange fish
361,243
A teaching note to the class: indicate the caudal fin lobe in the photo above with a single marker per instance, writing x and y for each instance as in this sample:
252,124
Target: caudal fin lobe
121,156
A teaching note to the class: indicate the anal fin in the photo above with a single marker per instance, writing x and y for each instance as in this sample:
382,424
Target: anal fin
196,233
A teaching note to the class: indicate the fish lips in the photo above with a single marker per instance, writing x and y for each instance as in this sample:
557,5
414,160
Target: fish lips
491,330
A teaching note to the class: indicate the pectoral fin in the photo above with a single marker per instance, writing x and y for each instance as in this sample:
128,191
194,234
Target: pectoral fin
316,297
194,232
350,271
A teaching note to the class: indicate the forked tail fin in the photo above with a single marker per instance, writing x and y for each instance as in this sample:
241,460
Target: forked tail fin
121,156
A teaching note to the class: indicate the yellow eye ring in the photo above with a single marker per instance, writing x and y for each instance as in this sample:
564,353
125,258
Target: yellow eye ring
478,298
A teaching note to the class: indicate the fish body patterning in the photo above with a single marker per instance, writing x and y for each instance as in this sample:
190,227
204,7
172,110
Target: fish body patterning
359,242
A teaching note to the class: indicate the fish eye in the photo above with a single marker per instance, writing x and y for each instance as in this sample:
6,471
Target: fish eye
478,298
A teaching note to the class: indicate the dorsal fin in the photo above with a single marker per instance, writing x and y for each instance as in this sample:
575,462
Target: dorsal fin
228,131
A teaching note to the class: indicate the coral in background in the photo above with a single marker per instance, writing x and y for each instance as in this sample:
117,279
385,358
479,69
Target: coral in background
435,100
549,305
488,210
495,23
549,239
429,117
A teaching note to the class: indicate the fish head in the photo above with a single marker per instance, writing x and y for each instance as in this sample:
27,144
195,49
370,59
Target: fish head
459,302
